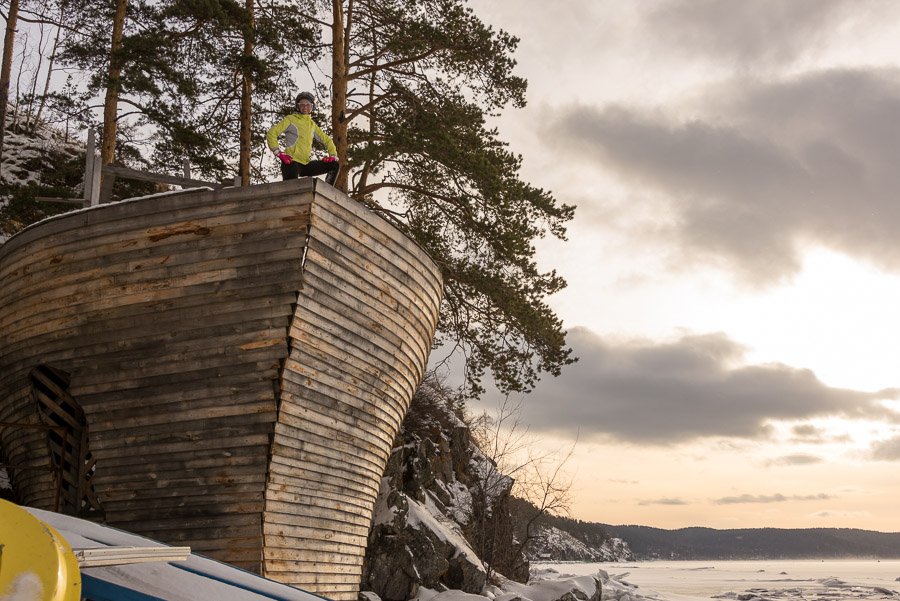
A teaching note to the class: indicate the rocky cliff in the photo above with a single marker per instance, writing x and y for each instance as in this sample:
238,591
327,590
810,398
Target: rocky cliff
445,520
432,507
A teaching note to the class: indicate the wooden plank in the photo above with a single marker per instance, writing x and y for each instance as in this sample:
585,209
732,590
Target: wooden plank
323,260
271,296
229,533
312,541
202,505
315,323
137,522
70,201
242,386
293,476
157,500
154,339
238,461
156,485
117,447
225,390
252,372
116,290
128,173
324,470
344,481
102,277
398,334
321,583
352,406
374,252
234,426
171,207
374,225
285,520
381,407
116,465
247,537
64,270
183,412
304,443
314,496
322,567
93,195
342,435
89,158
253,340
146,365
55,409
369,303
159,234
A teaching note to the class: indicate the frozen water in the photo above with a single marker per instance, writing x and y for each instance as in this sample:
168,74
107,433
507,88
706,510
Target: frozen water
792,580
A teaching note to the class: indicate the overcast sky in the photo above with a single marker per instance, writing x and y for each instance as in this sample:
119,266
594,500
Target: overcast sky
734,263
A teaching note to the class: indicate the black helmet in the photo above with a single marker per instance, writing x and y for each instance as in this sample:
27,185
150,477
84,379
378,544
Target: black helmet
305,96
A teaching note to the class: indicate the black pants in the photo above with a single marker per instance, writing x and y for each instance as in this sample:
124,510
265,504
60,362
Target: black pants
312,168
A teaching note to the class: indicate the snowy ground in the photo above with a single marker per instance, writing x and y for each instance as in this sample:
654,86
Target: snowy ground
740,580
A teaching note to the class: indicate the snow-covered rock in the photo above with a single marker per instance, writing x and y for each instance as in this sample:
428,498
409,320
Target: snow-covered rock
554,544
574,588
26,154
559,545
439,499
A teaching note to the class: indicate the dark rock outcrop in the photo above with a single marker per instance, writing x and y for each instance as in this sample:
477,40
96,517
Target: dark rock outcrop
431,508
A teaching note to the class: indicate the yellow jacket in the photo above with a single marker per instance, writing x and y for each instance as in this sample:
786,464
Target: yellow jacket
299,131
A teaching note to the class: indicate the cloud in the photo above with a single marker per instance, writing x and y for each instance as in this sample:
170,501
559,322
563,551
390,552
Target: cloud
830,514
776,498
797,459
761,32
808,433
886,450
769,168
663,501
650,393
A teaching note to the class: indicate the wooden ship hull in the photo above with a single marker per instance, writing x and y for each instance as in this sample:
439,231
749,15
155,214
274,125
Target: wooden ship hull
221,369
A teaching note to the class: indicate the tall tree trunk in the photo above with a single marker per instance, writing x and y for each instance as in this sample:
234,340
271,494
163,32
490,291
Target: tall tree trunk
30,122
8,41
340,52
364,174
40,110
246,98
111,104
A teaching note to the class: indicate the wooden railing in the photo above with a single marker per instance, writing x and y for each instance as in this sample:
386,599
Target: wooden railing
98,189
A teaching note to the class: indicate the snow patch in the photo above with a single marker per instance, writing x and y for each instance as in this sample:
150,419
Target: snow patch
550,590
430,516
383,513
24,587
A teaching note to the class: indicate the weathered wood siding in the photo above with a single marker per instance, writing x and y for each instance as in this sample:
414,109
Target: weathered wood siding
232,404
360,339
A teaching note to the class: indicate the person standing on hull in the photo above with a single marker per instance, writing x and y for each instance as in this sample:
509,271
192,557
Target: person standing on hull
299,132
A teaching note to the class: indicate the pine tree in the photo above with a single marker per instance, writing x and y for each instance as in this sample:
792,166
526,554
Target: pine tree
413,82
190,73
9,37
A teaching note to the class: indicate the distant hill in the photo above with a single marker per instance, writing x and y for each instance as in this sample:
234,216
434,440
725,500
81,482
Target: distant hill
757,543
